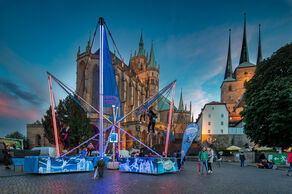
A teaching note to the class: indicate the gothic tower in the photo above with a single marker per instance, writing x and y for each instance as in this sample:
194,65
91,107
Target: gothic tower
232,88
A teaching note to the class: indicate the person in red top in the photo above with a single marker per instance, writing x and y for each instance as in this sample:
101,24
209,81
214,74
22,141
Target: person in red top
289,160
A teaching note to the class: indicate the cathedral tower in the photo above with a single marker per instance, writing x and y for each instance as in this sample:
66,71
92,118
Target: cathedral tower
232,88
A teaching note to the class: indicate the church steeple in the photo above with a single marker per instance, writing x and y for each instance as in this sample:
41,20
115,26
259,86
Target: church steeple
141,51
228,70
244,51
152,62
181,103
259,59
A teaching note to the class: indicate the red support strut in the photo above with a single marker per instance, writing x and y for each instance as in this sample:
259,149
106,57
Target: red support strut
54,116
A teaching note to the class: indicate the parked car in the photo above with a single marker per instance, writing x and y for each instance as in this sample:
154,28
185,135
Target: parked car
46,151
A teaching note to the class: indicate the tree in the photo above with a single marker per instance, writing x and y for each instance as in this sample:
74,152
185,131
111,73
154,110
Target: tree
70,113
17,135
268,97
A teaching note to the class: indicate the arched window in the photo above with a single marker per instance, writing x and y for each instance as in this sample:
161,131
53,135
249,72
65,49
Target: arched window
38,140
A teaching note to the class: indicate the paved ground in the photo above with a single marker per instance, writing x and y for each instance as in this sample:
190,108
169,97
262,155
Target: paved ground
229,178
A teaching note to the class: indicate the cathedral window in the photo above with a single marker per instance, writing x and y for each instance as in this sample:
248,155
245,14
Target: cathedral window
230,88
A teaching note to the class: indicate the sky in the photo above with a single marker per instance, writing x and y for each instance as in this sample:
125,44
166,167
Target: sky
190,42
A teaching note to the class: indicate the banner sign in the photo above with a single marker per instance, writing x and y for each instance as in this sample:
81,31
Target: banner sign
190,133
278,158
13,143
114,138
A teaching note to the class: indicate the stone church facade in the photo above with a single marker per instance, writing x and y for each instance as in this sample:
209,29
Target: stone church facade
136,82
232,88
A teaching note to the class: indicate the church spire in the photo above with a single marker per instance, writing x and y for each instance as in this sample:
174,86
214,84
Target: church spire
141,46
244,51
259,59
181,103
152,62
228,70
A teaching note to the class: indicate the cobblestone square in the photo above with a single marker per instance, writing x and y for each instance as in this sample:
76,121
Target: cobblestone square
230,178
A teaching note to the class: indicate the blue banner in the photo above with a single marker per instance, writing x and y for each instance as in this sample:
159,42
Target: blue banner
190,133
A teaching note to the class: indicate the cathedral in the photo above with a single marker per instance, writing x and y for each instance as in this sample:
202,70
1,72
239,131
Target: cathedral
232,88
136,82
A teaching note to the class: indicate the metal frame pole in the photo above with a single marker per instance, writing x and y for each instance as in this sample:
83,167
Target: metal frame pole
101,21
54,116
169,121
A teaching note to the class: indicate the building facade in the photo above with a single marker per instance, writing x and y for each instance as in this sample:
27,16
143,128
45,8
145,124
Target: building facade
232,88
136,82
232,101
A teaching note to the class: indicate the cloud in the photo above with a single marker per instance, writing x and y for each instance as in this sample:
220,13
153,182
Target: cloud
25,72
10,108
9,88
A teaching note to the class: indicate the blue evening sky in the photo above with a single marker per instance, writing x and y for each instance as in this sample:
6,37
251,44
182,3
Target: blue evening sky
190,41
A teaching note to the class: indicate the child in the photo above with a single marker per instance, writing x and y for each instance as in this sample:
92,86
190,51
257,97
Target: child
83,153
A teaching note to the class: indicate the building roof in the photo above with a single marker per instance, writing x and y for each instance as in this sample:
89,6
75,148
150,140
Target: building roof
260,57
246,64
141,50
228,70
229,79
244,50
181,103
164,104
210,103
152,62
215,103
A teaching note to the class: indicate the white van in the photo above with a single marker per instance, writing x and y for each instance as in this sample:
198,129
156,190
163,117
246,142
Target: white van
46,151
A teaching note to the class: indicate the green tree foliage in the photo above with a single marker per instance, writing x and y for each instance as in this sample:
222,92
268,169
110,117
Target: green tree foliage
268,96
68,112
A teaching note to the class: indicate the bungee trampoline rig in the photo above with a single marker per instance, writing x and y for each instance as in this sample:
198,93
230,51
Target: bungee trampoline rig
108,97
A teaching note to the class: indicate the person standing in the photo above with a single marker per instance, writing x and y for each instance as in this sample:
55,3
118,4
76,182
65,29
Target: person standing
242,159
178,158
210,159
90,148
7,156
152,121
289,160
65,137
203,158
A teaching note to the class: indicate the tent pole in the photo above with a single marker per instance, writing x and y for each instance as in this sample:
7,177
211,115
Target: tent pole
54,116
169,121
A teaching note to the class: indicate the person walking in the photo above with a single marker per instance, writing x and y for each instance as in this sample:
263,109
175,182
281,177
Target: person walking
210,159
7,156
242,159
289,160
203,158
